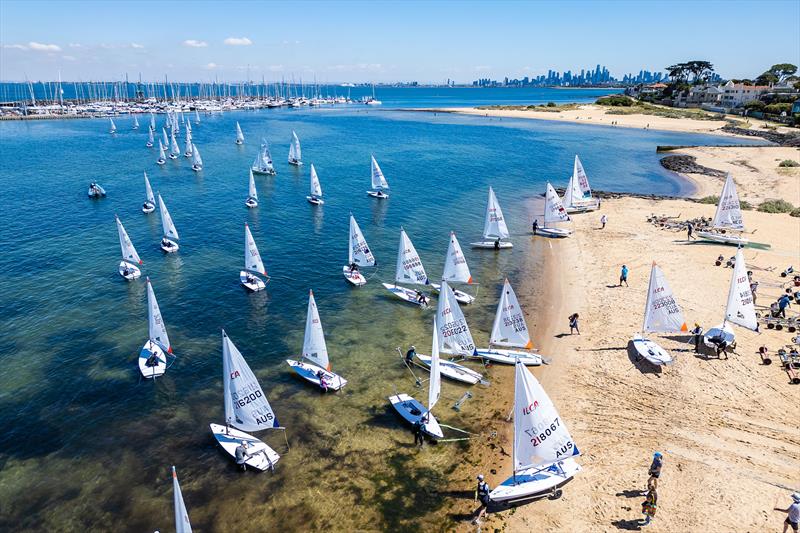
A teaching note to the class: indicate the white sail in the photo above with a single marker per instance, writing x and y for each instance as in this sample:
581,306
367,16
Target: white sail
161,154
729,211
157,330
409,265
196,116
113,126
246,406
661,312
182,524
252,259
741,309
378,180
455,264
239,134
494,226
166,220
435,382
128,251
263,161
359,252
173,145
164,137
294,148
578,185
316,188
149,190
152,122
188,126
135,122
251,188
540,436
314,347
196,159
150,139
187,145
509,328
454,335
553,208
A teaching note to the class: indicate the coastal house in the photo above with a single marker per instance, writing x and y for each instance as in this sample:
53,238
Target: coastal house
738,94
700,96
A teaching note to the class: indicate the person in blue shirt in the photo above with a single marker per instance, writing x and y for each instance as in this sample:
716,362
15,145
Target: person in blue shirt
783,303
623,276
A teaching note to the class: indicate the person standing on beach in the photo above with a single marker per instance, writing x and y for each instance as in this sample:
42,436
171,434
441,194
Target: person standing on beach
649,506
655,471
603,220
419,439
698,336
792,514
535,225
623,276
783,303
753,289
573,323
482,494
689,231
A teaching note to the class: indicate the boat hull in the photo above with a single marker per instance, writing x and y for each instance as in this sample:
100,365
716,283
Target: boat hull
651,351
535,482
251,282
508,357
170,246
308,372
295,162
160,368
263,457
313,200
355,277
251,203
378,194
263,172
461,296
405,294
453,370
129,271
722,238
489,245
148,208
412,411
553,233
583,207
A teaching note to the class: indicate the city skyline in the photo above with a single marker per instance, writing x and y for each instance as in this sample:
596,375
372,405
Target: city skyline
388,42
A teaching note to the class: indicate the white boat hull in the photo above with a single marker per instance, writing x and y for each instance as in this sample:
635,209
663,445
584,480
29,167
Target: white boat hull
197,168
461,296
309,372
535,482
378,194
583,207
508,357
251,282
129,271
453,370
159,368
263,172
722,238
651,351
147,207
555,233
489,245
262,456
170,246
412,411
251,203
354,277
724,331
314,200
295,162
407,295
161,161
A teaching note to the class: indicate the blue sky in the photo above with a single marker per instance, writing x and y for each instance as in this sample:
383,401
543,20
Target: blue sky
387,41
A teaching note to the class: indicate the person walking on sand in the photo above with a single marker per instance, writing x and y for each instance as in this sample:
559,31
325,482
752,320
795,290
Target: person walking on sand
698,337
783,303
573,323
482,494
690,231
535,225
753,290
623,276
655,470
603,220
792,514
649,506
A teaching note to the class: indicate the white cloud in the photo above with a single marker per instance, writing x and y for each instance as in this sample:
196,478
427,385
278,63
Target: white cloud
194,43
15,46
238,41
40,47
211,66
75,45
69,58
137,45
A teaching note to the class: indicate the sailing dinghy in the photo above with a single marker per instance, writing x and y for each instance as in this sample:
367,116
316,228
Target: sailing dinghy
379,182
164,137
149,204
578,195
196,116
409,270
182,524
295,156
252,264
412,410
152,122
162,157
456,270
96,191
174,150
128,266
740,309
150,139
239,135
494,226
553,212
509,331
153,357
135,122
246,409
358,255
187,145
197,161
113,127
263,161
169,242
728,217
315,188
661,315
252,194
316,366
544,453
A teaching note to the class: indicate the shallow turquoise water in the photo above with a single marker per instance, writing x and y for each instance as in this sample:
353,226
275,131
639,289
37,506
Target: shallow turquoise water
88,446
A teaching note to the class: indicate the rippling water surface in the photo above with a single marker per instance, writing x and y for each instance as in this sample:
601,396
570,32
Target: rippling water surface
87,445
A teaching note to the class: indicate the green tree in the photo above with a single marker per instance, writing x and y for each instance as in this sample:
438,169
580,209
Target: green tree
783,70
700,70
767,78
755,105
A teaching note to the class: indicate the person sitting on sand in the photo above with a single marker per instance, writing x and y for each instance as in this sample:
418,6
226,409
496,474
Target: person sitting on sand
573,323
649,506
792,514
482,494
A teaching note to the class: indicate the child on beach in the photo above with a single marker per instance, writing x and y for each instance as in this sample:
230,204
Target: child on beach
603,220
482,494
573,323
649,506
623,276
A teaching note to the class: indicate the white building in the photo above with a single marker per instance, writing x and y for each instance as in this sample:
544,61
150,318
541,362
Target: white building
737,94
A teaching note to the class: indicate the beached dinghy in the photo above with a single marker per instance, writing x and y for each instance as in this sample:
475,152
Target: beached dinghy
456,271
96,191
315,188
239,135
359,255
578,195
409,270
128,267
263,161
252,264
543,453
112,127
553,212
728,217
295,156
197,161
162,157
252,193
412,410
150,139
153,357
378,180
182,524
169,241
740,309
509,331
316,366
246,408
661,315
149,204
494,226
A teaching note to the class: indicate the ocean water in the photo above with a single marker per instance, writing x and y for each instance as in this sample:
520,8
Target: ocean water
87,444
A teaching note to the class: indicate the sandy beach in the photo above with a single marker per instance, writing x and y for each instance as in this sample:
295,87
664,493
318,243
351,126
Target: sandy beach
727,428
